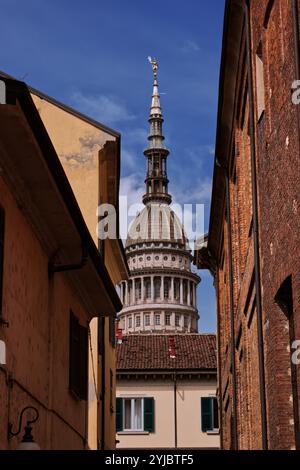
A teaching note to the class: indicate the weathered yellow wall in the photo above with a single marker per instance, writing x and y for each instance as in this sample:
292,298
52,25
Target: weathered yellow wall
77,143
38,332
188,414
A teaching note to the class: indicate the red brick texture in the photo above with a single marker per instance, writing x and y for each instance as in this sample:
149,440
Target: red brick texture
277,144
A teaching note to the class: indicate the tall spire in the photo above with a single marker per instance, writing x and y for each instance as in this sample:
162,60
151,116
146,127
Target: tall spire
156,153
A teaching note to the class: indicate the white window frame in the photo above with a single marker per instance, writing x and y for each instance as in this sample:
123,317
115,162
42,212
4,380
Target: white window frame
132,418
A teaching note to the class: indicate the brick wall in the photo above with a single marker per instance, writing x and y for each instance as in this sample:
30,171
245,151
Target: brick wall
278,179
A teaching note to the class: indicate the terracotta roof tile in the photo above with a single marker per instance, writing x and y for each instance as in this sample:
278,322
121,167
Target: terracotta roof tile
150,352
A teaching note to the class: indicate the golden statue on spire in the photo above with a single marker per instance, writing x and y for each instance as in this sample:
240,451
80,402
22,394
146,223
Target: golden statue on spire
154,64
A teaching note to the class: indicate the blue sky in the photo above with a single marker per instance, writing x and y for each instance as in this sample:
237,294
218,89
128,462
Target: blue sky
92,55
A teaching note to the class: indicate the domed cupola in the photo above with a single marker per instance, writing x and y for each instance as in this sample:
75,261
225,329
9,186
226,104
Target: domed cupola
160,296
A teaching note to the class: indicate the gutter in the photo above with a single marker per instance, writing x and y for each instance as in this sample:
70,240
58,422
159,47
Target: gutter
219,376
256,235
231,294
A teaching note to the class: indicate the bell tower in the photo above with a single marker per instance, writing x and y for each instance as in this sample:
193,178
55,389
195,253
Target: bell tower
156,154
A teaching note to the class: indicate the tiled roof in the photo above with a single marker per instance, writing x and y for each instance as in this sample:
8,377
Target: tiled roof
150,352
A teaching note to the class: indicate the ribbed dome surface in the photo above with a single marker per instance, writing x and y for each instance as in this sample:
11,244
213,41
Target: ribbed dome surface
157,222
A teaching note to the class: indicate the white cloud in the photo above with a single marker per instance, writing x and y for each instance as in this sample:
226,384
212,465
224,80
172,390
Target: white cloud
105,109
135,136
200,193
190,46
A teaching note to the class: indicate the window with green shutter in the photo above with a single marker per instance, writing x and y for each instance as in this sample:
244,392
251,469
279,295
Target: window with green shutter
209,414
135,414
119,414
149,414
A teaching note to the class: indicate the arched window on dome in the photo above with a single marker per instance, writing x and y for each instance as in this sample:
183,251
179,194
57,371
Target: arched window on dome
167,288
157,286
138,289
176,289
130,292
147,282
185,291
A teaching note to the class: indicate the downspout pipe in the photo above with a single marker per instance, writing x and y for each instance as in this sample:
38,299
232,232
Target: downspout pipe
175,409
261,360
216,277
232,326
232,323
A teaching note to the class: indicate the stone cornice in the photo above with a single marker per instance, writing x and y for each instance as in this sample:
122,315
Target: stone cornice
165,271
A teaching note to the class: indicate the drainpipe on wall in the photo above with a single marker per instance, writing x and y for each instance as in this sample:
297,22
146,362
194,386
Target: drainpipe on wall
175,407
101,331
256,235
219,359
232,329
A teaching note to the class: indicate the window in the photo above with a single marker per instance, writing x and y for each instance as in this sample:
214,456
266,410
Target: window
129,322
177,320
186,322
2,227
260,86
78,359
176,289
147,319
168,319
157,319
166,289
157,286
137,321
112,331
135,414
148,288
209,414
101,327
138,290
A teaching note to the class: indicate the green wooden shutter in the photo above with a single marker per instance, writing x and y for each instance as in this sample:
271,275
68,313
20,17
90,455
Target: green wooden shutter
149,414
206,414
119,414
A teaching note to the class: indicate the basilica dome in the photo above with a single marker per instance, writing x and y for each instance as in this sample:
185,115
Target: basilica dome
157,222
160,295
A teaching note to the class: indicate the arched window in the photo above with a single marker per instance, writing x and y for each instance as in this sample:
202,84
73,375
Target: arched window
176,289
167,286
148,288
138,289
157,286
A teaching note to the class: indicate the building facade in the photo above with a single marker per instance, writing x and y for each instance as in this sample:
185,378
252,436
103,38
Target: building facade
163,401
253,242
90,155
166,371
53,282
